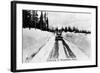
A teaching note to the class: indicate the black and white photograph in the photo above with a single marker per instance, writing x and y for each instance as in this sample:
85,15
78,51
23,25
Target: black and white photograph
54,36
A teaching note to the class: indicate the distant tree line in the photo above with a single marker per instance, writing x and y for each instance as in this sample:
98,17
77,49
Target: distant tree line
75,30
69,29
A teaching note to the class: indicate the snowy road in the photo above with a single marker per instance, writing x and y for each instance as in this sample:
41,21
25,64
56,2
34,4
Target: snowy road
79,54
61,49
43,54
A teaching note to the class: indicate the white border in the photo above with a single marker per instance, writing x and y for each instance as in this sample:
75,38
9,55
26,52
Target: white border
21,66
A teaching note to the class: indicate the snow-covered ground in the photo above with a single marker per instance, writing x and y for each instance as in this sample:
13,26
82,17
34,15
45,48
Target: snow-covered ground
34,39
80,55
82,41
43,54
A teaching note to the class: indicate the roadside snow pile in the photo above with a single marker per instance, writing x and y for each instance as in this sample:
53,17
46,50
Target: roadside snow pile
33,39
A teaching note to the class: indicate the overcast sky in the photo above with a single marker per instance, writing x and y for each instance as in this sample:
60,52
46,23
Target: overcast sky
80,20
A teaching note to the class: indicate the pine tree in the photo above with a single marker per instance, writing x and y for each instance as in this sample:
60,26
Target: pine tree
41,21
47,23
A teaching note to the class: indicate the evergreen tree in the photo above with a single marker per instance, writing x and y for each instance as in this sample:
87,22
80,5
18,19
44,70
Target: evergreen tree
41,21
65,29
47,23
